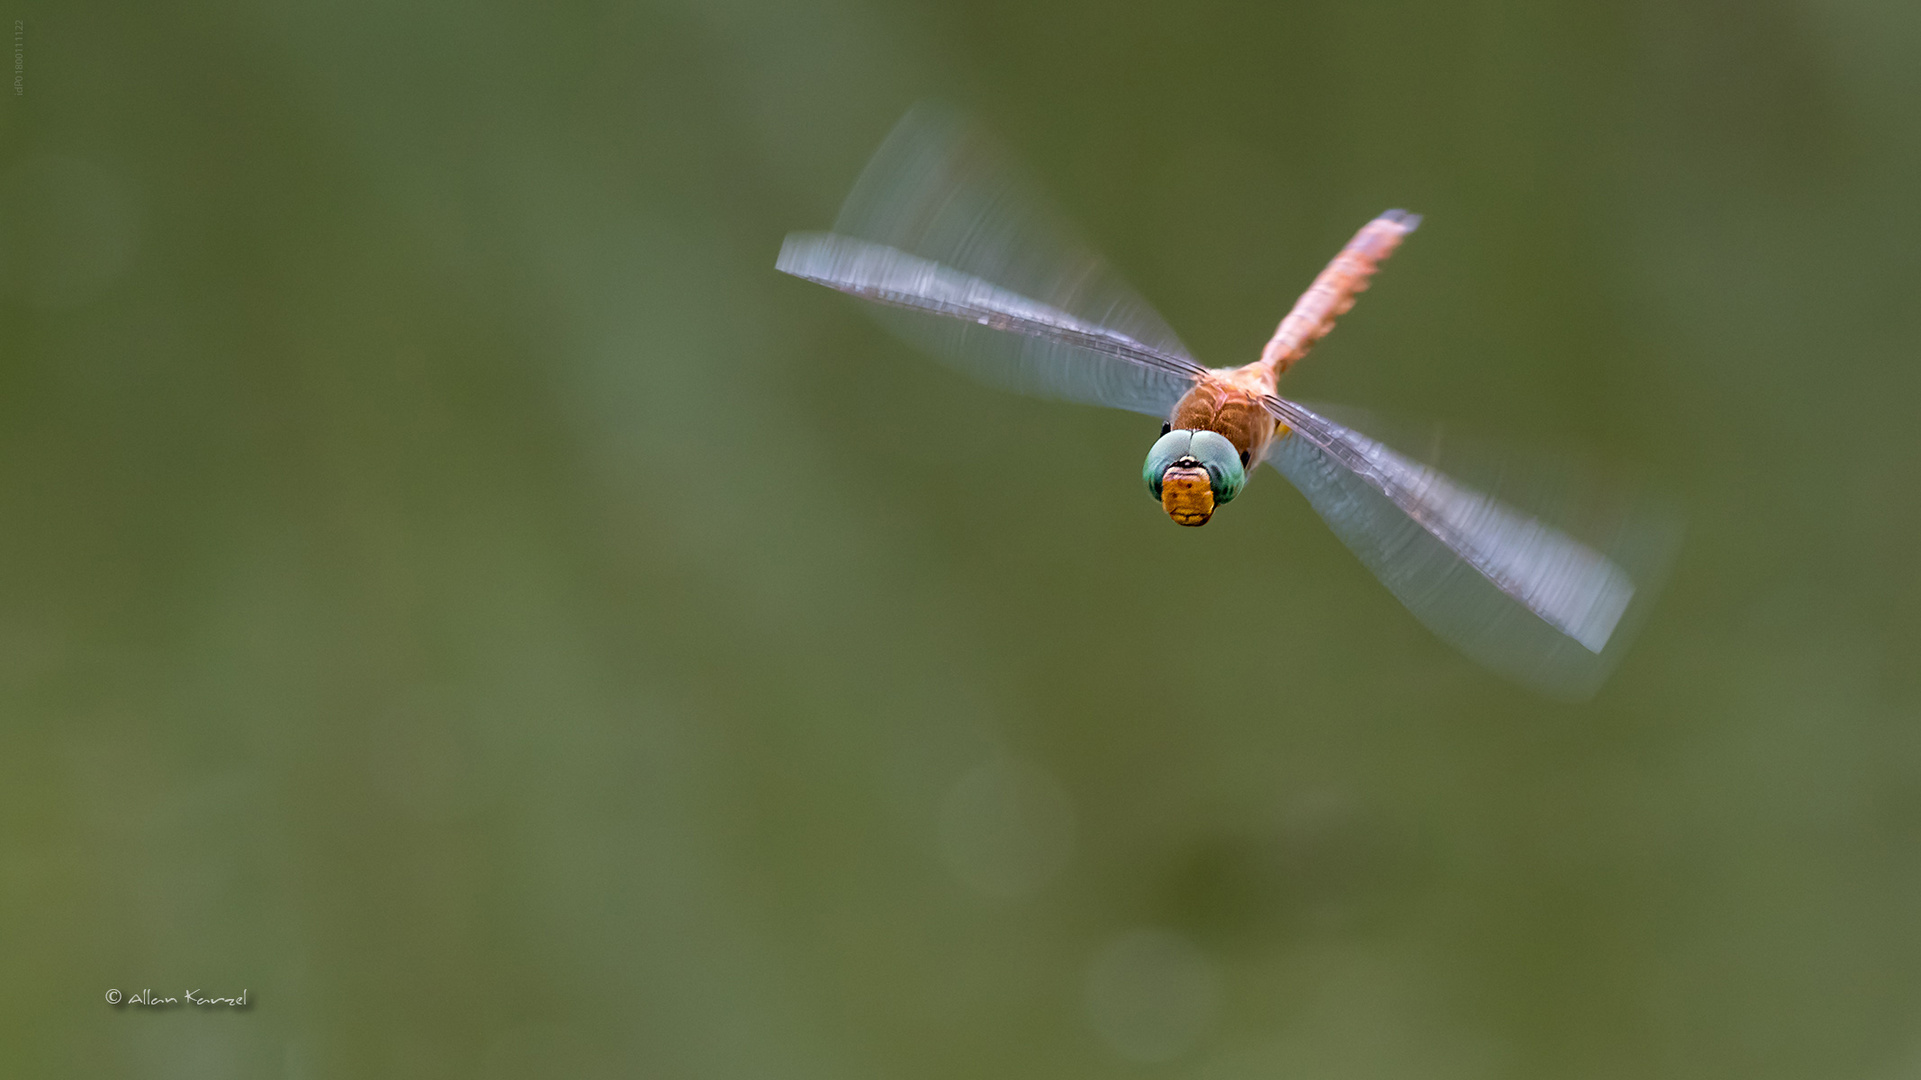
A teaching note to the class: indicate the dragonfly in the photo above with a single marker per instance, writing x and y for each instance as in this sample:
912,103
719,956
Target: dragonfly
959,254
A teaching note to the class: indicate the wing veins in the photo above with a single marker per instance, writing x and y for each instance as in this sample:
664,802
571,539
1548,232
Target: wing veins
889,276
1568,585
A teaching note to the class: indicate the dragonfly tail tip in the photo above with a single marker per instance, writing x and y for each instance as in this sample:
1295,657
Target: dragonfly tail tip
1407,220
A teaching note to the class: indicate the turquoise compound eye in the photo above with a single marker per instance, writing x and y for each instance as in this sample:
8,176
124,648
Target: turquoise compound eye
1168,449
1214,452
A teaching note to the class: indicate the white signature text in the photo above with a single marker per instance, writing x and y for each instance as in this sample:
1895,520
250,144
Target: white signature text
192,997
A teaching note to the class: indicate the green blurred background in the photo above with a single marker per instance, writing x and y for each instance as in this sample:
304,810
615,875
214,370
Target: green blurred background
452,587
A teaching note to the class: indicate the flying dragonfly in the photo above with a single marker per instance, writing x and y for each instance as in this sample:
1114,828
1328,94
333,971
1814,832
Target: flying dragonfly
965,259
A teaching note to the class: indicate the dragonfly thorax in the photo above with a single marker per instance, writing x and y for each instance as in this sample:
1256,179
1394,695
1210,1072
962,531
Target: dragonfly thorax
1229,403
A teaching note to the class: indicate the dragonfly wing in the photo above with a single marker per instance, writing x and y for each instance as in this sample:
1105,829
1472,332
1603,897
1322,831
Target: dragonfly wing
970,263
1513,589
1007,338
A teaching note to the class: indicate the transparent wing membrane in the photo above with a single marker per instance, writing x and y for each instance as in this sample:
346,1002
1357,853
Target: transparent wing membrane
942,229
1509,585
1006,338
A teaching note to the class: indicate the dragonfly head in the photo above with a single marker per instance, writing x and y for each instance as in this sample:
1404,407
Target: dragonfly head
1192,472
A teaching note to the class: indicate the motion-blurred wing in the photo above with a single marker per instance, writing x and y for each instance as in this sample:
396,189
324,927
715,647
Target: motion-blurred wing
1067,358
972,266
1510,588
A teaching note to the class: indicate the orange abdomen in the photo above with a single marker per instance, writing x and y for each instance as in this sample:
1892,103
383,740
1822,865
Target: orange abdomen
1334,289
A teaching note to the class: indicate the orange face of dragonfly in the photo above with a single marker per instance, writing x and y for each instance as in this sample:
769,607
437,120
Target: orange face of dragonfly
1192,472
939,228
